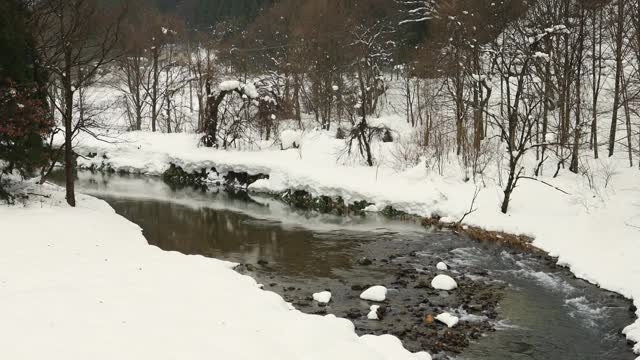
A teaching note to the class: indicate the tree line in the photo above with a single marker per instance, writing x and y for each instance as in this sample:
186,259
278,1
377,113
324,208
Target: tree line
553,80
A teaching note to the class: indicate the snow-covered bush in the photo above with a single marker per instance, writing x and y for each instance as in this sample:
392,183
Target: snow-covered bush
291,139
407,152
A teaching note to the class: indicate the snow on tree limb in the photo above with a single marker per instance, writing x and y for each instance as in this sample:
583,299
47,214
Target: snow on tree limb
234,85
418,11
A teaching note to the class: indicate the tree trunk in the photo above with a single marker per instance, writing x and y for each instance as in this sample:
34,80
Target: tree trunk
154,89
296,100
477,118
627,113
69,160
619,69
459,92
363,127
545,106
596,63
578,130
510,186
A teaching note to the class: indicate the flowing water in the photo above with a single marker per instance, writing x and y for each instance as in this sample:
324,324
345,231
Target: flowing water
542,311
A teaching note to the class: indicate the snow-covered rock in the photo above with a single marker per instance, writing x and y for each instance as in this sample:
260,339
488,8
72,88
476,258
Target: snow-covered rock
372,209
375,293
322,297
444,282
373,312
442,266
448,319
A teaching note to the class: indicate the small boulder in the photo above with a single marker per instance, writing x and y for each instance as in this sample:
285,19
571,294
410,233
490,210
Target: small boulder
322,297
448,319
375,293
442,266
444,282
373,312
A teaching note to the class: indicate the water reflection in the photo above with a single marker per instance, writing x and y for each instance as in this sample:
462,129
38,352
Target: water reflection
237,237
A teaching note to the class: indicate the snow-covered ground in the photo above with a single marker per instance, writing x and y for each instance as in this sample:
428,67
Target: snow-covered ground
84,284
593,228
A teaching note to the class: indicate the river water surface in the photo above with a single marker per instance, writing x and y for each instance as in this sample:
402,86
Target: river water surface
542,311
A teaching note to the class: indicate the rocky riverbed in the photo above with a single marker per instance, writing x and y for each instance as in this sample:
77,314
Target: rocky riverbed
412,304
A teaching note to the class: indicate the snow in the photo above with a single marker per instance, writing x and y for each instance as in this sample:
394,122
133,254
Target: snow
542,56
371,208
448,319
247,88
229,85
291,138
593,230
375,293
442,266
571,227
322,297
84,284
250,90
384,345
373,312
444,282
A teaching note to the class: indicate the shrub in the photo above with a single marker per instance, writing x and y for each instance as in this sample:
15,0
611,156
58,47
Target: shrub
24,122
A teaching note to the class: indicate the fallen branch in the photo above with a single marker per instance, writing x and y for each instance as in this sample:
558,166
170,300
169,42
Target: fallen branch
546,183
40,195
471,208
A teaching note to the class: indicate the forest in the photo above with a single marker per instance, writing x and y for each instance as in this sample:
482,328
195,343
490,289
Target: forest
567,74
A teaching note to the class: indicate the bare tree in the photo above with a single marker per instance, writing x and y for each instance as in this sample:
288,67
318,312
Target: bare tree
578,93
76,38
514,58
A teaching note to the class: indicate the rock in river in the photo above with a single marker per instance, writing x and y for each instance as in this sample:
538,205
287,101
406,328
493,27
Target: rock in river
447,319
373,313
444,282
322,297
375,293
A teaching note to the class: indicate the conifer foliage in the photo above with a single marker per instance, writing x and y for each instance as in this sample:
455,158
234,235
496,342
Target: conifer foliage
24,120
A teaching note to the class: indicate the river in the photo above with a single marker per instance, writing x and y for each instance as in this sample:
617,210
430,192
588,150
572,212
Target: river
513,305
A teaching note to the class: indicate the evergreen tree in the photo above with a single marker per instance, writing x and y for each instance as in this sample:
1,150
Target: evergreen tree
16,46
23,117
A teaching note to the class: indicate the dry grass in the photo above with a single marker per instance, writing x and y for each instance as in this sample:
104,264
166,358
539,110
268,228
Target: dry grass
521,242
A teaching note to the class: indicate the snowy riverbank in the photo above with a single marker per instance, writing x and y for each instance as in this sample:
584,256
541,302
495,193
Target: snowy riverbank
83,283
592,229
